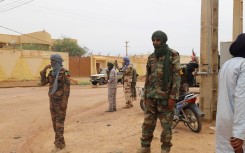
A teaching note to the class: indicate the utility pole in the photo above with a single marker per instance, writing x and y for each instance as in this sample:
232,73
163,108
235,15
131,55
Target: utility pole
209,58
237,18
127,47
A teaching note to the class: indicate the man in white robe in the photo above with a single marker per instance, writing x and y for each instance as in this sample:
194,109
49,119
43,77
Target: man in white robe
230,118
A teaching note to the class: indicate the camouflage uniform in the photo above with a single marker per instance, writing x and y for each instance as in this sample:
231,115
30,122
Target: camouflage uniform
127,76
133,84
58,102
156,99
112,90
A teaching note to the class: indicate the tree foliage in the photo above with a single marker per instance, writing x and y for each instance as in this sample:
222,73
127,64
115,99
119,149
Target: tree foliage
33,47
70,46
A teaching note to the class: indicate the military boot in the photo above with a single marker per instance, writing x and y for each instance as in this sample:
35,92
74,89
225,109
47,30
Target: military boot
126,106
144,150
55,150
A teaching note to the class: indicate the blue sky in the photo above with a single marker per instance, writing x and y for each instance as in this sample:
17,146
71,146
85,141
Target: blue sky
104,26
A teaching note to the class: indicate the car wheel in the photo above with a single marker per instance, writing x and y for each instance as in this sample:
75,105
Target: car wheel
94,83
101,81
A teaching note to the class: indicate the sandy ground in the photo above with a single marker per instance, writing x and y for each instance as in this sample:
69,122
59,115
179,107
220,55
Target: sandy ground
25,124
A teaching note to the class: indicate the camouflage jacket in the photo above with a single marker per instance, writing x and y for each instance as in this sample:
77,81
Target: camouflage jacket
63,82
127,76
154,87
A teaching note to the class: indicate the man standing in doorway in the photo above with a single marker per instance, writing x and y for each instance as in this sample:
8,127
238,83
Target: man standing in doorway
59,91
161,92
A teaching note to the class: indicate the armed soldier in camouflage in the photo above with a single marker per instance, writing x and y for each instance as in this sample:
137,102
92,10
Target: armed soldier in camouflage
127,79
133,84
161,92
59,91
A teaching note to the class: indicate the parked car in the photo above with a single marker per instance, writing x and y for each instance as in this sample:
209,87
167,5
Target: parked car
101,78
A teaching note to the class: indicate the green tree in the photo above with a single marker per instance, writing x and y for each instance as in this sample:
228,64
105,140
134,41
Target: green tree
70,46
34,47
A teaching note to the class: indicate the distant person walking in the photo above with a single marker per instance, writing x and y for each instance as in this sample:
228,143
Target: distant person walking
112,87
161,91
59,90
230,118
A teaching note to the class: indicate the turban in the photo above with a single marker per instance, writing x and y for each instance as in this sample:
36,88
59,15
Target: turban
126,59
160,35
56,57
237,48
110,64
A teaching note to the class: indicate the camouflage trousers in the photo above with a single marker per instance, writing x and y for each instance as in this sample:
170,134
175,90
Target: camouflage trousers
58,106
133,90
157,108
112,92
127,93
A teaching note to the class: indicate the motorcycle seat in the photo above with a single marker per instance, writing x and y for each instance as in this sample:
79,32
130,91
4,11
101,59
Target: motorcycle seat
181,97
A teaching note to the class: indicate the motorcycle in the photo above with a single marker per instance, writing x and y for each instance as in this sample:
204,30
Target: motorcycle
186,111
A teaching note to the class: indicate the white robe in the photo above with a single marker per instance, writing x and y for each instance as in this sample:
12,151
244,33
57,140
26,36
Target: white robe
230,118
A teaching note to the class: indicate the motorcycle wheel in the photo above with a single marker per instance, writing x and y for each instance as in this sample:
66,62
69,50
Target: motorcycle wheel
142,104
194,120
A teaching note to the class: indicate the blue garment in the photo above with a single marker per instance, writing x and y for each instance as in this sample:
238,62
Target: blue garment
57,66
230,119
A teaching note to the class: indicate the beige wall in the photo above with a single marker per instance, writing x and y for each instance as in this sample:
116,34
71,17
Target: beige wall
18,65
43,37
8,39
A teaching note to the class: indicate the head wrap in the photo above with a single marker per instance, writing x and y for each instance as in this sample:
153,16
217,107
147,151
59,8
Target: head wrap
57,66
126,60
237,48
163,50
57,58
110,65
160,35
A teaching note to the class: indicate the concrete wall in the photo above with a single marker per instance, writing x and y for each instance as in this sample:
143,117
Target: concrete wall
224,52
17,65
42,37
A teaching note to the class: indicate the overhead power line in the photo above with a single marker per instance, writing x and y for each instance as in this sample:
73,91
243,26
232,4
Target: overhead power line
19,3
11,3
24,34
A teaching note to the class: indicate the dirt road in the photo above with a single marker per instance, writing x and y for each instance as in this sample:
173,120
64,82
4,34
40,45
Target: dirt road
26,124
